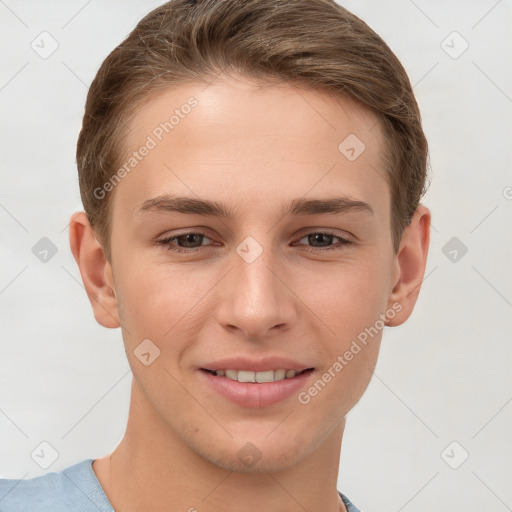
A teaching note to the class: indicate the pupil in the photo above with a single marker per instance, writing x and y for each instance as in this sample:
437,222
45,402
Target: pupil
319,235
190,238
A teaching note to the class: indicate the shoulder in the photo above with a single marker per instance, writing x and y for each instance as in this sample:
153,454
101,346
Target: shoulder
348,504
74,488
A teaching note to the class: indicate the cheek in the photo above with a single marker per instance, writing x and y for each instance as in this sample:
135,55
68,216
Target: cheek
347,298
349,330
348,303
159,300
149,298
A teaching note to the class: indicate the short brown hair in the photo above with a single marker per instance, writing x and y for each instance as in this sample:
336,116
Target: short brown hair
311,43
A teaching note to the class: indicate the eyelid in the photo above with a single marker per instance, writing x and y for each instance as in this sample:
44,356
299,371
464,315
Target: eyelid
328,231
172,236
185,231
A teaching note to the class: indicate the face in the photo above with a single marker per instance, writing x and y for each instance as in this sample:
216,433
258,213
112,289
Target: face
286,267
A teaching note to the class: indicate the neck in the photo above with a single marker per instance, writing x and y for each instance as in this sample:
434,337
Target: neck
152,469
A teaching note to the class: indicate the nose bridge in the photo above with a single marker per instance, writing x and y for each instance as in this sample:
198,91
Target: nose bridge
255,299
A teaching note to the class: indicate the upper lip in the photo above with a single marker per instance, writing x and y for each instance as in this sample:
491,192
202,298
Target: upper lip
256,365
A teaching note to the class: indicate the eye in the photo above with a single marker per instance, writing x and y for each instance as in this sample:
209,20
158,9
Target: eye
191,240
326,237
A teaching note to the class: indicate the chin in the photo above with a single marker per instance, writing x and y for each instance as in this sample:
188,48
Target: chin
274,463
259,457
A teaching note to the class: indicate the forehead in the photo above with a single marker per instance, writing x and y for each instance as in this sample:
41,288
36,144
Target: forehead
259,141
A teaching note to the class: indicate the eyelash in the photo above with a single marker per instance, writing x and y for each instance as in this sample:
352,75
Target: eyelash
167,242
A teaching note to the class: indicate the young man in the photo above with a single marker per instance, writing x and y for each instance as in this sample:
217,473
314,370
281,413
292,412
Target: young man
251,175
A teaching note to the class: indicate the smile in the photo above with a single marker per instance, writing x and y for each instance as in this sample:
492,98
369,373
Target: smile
258,377
256,389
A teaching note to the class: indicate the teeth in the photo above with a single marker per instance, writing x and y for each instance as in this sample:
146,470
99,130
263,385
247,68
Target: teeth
245,376
231,374
266,376
279,374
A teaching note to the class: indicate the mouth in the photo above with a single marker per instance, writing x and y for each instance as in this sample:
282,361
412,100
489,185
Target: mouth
256,389
258,377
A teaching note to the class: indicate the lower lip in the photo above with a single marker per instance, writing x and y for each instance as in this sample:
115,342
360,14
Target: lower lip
251,394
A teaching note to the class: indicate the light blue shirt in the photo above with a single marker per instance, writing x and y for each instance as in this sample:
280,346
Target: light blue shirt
74,489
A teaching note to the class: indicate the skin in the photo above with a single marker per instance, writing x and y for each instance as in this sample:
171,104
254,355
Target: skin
254,148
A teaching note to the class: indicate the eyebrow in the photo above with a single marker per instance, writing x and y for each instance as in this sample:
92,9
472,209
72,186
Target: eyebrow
172,204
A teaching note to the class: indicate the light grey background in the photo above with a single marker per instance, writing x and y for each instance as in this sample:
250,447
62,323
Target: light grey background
443,376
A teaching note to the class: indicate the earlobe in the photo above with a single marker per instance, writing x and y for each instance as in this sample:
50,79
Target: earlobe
95,270
410,266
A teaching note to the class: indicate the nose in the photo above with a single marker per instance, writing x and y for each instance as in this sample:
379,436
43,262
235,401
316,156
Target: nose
256,300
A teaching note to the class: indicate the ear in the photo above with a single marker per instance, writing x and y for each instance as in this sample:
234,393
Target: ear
410,266
95,270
